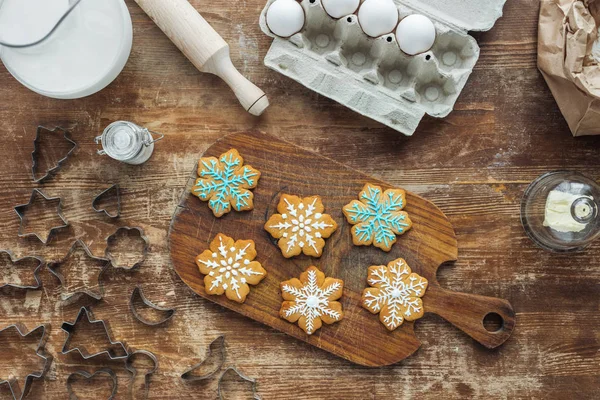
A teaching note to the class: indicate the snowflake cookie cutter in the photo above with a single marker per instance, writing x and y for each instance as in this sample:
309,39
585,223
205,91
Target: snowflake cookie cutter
226,182
35,154
378,217
230,370
13,384
138,295
87,376
110,241
105,193
54,266
312,300
69,328
36,272
216,349
395,293
20,210
135,373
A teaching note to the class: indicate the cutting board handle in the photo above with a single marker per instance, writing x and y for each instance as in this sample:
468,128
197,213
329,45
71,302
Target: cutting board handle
468,311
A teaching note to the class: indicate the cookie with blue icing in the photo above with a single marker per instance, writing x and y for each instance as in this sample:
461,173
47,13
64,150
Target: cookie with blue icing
377,217
225,182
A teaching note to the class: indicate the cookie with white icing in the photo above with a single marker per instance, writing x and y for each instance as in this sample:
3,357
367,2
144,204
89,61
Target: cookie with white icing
378,217
311,300
395,294
230,268
225,182
300,226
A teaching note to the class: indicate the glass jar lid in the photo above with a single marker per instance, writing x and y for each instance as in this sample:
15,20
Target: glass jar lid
123,140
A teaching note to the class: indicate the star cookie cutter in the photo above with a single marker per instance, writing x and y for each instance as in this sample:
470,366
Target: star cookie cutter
230,370
78,244
36,272
216,349
86,375
20,212
69,328
133,389
105,193
35,154
110,244
13,384
138,294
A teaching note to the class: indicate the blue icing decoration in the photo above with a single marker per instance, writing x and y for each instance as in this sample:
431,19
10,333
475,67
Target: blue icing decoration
225,183
378,217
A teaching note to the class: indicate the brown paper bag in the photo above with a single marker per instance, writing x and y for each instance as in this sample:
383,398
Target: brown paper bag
569,59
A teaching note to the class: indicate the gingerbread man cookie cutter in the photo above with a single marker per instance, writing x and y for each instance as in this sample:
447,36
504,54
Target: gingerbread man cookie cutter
69,328
108,192
20,210
15,389
138,294
36,272
86,375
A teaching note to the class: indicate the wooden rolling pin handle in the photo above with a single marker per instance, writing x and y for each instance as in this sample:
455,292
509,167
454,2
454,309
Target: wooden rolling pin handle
204,47
250,96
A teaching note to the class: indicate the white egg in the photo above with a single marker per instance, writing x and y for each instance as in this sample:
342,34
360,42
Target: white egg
285,17
340,8
378,17
415,34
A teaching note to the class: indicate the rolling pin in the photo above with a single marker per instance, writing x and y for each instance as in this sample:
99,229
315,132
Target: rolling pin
204,47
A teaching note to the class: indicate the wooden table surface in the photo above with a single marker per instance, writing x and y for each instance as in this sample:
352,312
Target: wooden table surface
475,164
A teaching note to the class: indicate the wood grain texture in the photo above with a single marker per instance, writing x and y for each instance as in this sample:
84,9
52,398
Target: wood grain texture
474,165
359,337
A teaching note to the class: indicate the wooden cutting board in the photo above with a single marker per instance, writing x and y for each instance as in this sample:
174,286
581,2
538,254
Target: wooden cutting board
360,337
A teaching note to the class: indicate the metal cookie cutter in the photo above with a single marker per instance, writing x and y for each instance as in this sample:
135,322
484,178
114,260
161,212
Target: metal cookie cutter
229,370
15,389
137,294
108,192
35,155
53,266
140,390
110,243
20,209
70,328
104,371
36,272
216,348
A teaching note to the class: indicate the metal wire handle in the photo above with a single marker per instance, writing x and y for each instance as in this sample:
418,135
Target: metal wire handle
54,28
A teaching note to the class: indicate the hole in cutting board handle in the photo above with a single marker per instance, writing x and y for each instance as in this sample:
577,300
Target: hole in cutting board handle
493,322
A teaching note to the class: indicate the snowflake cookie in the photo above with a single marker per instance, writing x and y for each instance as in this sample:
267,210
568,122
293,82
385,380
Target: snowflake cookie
311,300
395,293
301,226
378,217
225,183
229,267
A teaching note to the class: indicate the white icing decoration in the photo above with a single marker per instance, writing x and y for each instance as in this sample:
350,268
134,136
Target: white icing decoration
311,301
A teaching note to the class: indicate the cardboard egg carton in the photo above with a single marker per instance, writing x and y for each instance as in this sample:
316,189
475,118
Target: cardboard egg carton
372,76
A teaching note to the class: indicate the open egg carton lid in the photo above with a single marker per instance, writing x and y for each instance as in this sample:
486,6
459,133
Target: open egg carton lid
372,76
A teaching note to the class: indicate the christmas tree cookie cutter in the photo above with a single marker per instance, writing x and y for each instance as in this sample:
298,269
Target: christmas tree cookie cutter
36,272
69,328
21,211
110,241
138,295
87,376
54,266
106,193
35,154
13,384
215,349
